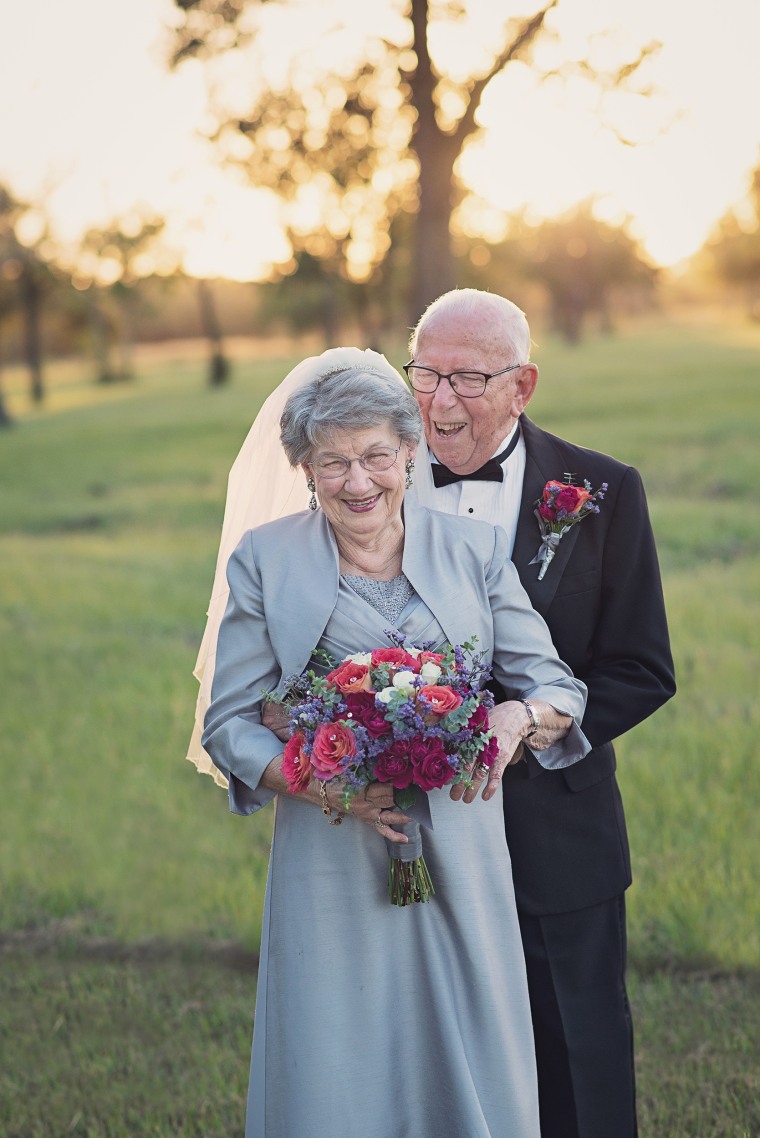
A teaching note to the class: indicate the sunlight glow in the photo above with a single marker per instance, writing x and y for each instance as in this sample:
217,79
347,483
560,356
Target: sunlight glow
94,126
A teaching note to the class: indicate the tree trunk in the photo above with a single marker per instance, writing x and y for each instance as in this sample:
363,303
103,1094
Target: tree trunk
126,341
30,300
5,419
329,305
433,260
219,366
99,332
433,271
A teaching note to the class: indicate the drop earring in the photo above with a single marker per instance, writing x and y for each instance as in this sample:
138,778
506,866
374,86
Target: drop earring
311,485
409,468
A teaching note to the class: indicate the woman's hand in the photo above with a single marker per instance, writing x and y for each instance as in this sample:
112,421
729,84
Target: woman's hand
373,805
510,722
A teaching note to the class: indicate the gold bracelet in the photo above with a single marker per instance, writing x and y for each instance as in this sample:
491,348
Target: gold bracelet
327,808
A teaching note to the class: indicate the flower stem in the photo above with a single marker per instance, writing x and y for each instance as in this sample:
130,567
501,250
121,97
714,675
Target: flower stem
409,882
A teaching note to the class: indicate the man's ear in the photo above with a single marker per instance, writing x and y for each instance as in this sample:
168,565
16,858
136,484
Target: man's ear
526,384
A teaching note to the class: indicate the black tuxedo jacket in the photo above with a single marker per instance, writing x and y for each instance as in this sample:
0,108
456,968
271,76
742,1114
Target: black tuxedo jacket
602,600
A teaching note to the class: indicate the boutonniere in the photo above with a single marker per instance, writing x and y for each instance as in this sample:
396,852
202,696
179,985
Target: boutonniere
561,506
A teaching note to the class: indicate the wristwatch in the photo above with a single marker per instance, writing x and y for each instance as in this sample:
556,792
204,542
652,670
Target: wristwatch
535,718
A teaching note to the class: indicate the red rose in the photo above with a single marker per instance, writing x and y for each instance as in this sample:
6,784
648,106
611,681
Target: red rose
295,763
478,721
396,656
552,488
362,708
571,498
490,752
547,512
431,766
350,677
332,744
395,765
441,700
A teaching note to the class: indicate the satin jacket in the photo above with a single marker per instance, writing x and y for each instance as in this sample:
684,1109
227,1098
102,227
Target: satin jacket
284,579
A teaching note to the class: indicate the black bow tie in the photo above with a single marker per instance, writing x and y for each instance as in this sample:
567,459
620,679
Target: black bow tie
491,471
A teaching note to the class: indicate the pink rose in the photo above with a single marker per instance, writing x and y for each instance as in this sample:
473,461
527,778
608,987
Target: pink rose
363,710
441,700
431,766
428,658
396,656
350,677
295,763
490,752
478,721
571,498
395,765
332,744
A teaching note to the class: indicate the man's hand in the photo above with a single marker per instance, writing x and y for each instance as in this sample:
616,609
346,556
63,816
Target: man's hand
275,717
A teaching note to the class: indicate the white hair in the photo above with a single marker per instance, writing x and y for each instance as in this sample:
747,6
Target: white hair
508,323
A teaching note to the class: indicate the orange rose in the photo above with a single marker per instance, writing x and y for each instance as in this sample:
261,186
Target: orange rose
349,678
441,700
332,743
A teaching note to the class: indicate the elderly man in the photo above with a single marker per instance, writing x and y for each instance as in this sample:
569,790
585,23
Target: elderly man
601,597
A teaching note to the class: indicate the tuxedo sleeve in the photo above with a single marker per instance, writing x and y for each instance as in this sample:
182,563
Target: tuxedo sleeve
631,672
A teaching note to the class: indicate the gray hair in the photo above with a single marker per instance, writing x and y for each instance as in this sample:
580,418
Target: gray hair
349,399
509,323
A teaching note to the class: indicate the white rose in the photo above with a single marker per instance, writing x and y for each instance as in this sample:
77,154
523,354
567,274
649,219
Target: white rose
404,681
413,652
360,658
385,695
430,672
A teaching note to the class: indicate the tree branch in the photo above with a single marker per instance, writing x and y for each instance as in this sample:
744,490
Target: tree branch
524,38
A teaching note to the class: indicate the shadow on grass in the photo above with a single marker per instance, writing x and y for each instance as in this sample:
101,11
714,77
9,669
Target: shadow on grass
152,1040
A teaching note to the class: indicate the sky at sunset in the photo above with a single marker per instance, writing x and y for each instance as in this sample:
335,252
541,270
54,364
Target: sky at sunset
92,122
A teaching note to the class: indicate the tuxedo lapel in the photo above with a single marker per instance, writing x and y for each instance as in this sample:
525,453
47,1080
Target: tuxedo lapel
542,463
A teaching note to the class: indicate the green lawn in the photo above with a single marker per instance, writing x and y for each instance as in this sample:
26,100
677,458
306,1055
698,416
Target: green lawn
157,1046
110,509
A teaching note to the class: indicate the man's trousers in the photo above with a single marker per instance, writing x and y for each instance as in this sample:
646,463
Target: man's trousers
582,1021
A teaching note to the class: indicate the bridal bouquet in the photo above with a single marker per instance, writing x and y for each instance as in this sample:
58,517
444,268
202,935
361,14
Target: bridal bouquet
404,715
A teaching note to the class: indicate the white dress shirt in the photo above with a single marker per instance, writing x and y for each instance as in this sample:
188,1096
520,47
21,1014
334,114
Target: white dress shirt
495,502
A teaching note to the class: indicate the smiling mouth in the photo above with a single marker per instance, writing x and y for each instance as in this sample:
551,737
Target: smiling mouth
360,505
448,430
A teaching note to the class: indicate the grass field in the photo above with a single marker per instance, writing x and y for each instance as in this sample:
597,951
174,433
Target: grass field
111,507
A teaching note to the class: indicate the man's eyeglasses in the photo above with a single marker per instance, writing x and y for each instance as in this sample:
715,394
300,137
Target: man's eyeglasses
374,460
467,384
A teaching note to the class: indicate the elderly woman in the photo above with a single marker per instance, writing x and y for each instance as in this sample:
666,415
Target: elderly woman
376,1021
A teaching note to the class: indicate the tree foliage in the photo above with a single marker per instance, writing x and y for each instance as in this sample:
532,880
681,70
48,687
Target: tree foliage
349,147
583,263
734,248
108,266
25,280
